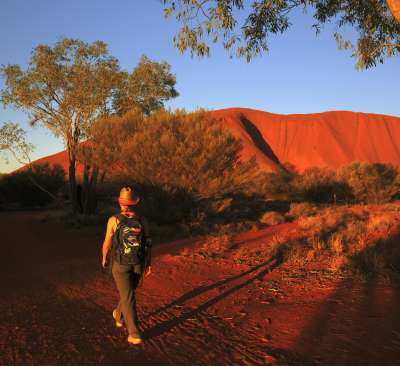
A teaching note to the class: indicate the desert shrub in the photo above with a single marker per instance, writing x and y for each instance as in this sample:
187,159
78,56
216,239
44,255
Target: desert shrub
346,239
279,184
330,220
371,182
177,160
18,187
302,209
233,208
390,207
296,252
382,257
320,185
272,218
381,221
275,249
214,246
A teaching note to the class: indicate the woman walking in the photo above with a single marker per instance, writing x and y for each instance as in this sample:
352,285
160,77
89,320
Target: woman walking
127,244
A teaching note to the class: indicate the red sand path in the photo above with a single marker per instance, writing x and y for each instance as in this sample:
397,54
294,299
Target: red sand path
56,306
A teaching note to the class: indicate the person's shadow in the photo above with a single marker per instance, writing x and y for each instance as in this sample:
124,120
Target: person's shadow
165,326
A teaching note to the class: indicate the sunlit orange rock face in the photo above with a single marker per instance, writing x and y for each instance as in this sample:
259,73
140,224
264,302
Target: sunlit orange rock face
394,6
60,158
329,139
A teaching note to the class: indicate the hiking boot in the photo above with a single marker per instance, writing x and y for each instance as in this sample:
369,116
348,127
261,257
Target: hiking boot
118,323
135,339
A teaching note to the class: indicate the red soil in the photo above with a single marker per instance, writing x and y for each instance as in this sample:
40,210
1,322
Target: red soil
195,309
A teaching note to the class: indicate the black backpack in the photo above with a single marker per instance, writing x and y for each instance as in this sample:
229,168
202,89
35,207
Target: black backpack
128,240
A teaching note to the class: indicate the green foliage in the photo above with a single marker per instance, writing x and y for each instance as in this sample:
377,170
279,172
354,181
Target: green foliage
147,88
371,182
378,32
279,184
320,185
72,84
18,187
12,140
65,87
177,159
356,182
178,151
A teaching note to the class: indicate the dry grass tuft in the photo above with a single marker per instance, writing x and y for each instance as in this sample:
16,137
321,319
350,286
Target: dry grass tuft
348,239
303,209
272,218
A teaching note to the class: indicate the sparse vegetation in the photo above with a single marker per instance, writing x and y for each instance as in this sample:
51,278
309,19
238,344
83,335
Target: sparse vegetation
338,239
245,28
70,85
371,183
321,185
180,162
348,239
272,218
18,189
302,209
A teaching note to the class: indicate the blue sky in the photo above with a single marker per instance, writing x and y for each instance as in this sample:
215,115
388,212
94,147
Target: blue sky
302,73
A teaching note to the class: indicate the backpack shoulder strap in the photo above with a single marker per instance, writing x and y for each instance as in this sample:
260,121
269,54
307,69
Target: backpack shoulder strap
120,218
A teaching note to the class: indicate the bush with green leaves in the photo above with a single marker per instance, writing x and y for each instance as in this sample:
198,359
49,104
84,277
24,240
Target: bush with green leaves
321,185
371,182
19,188
177,159
279,184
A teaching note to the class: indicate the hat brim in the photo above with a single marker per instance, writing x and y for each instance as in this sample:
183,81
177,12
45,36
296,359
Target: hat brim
128,202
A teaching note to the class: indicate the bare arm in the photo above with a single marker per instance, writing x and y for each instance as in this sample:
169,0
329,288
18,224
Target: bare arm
111,226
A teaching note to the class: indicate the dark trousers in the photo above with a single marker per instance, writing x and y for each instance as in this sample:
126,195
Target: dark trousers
127,278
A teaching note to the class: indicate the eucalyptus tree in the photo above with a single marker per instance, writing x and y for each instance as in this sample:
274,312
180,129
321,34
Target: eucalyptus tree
69,86
147,87
65,88
376,22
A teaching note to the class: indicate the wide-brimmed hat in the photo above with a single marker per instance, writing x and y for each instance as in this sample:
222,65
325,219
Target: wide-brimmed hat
128,197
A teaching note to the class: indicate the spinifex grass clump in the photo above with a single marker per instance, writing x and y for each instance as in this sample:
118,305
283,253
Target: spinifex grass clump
303,209
272,218
348,238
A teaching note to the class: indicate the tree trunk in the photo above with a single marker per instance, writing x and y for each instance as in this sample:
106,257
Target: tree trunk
89,196
93,190
72,185
85,189
394,7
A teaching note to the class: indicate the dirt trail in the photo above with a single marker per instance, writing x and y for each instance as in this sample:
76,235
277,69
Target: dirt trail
196,310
